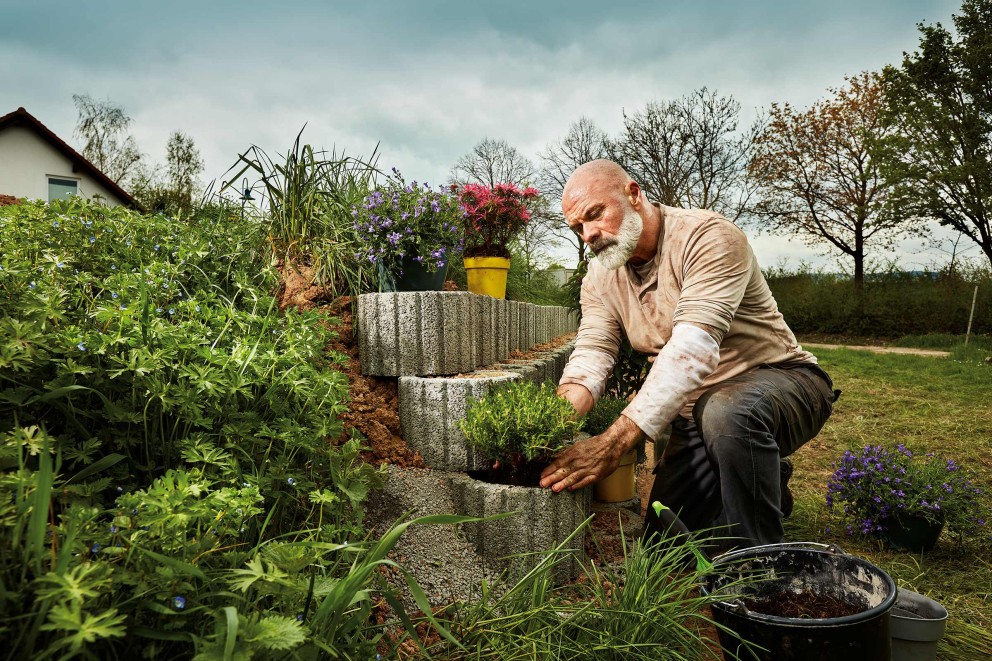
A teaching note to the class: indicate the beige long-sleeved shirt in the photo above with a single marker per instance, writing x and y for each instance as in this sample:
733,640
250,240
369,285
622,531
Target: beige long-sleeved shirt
704,272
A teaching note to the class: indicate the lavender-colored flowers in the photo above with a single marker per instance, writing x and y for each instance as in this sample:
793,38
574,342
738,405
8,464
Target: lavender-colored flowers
402,221
877,484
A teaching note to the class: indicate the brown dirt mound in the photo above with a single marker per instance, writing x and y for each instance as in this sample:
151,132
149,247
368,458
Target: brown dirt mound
372,407
9,200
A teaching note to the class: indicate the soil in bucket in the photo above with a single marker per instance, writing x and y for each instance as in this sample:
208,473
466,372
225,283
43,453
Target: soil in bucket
825,604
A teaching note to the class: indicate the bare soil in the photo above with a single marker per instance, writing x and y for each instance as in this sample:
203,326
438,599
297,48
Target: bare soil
372,406
805,604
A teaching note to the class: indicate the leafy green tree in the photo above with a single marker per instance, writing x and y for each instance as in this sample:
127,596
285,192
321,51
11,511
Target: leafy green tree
184,165
940,101
103,129
817,177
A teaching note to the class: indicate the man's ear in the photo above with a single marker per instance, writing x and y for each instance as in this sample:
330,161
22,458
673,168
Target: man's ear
633,191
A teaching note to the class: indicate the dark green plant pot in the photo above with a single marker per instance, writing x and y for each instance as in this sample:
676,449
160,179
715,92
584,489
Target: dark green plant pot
912,533
412,276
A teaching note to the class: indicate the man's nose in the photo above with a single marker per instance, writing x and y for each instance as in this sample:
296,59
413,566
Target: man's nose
590,232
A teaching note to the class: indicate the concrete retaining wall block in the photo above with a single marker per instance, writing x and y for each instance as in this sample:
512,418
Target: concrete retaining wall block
416,333
545,520
430,410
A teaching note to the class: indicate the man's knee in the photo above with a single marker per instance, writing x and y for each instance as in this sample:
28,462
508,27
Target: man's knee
724,412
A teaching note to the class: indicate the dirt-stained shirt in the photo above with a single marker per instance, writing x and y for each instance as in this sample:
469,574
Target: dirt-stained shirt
704,273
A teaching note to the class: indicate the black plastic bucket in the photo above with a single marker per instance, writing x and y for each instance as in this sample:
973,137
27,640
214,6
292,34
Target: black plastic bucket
776,571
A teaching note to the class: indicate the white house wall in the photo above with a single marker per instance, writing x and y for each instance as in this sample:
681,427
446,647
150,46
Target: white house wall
27,161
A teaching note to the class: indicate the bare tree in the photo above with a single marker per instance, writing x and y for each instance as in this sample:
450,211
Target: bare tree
103,129
689,152
584,142
494,162
819,178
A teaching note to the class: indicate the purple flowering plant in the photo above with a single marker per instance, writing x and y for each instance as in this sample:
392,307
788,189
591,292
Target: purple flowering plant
401,222
875,485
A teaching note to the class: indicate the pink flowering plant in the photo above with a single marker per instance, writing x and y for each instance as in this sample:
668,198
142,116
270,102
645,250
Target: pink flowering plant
876,485
493,217
400,222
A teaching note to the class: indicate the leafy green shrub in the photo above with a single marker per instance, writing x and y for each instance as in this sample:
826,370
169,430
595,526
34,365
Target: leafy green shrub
520,422
893,303
173,474
604,414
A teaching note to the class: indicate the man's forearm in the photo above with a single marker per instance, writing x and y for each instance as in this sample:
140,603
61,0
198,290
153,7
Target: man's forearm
578,396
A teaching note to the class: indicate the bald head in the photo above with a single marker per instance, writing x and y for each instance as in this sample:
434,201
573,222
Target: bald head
608,211
601,174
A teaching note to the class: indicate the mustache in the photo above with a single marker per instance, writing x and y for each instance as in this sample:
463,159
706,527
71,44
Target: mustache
602,244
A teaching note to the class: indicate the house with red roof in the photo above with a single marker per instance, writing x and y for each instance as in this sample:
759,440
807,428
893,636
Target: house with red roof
37,164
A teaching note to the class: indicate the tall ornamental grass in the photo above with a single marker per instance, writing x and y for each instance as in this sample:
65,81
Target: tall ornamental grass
306,199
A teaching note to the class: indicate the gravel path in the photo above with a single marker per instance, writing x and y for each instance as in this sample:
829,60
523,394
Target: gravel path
906,350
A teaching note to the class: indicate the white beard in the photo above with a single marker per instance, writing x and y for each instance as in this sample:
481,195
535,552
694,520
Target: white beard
614,254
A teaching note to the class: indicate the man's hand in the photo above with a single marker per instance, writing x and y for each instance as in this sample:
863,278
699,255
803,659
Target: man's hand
592,459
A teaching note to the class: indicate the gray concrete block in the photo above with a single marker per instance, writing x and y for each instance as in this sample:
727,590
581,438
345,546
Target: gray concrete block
513,326
431,410
487,312
417,333
543,520
545,331
518,321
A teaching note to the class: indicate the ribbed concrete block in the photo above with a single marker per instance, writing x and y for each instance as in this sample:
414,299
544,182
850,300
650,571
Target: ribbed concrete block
545,330
487,313
430,412
523,368
541,368
417,333
517,321
544,520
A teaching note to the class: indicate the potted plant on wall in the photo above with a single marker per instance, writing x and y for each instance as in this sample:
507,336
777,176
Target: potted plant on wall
493,217
409,232
904,498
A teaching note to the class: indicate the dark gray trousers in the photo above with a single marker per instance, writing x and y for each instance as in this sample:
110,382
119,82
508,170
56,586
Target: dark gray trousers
721,469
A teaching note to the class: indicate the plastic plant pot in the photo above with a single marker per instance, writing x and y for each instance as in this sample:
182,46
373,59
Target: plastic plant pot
917,622
620,485
487,275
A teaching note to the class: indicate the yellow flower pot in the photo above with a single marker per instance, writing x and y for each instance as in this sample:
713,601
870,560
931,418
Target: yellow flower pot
487,275
619,486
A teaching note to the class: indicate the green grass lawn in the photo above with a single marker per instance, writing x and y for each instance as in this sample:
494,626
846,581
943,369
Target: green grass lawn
938,404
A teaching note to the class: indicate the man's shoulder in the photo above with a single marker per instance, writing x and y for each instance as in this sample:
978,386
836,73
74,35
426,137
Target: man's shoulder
694,219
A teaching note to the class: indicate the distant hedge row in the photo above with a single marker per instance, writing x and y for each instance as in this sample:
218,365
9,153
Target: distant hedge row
893,304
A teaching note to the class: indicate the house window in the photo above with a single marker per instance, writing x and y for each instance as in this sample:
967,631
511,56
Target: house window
61,189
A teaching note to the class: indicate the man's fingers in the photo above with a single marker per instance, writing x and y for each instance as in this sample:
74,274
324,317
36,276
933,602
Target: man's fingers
554,475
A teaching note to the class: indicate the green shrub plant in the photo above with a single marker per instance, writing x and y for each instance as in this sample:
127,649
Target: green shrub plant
521,425
604,414
174,477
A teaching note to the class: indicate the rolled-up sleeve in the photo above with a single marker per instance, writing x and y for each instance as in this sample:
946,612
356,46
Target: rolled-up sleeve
596,343
717,269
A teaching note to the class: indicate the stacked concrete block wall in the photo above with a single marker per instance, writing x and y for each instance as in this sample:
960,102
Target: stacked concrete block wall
444,333
544,366
544,520
417,333
431,409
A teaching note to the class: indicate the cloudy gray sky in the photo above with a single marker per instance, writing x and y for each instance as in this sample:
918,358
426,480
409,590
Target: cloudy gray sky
426,80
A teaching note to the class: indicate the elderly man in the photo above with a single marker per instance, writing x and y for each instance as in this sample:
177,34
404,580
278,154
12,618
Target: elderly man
739,392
